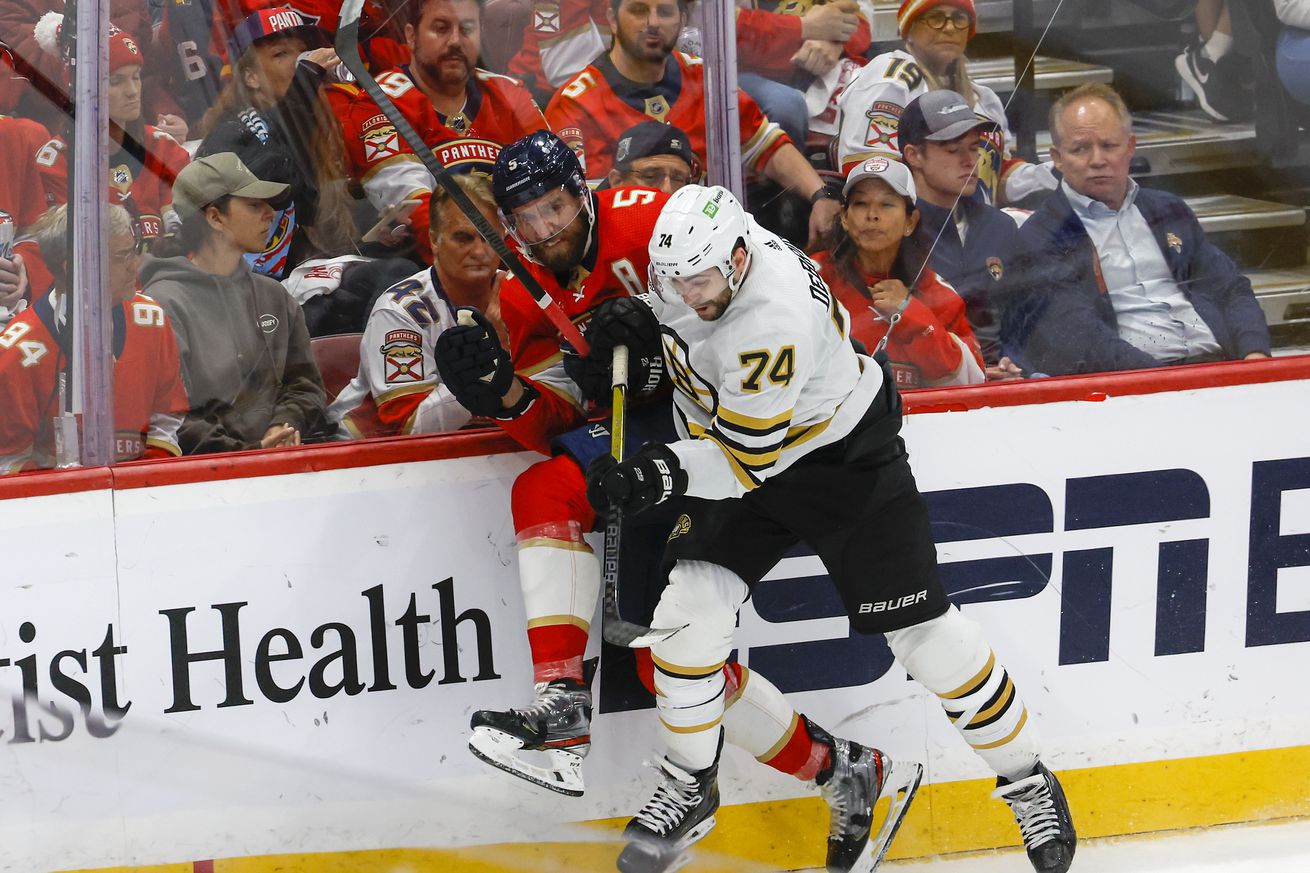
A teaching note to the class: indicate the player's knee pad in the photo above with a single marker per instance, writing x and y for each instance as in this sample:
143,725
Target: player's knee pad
551,493
702,599
951,658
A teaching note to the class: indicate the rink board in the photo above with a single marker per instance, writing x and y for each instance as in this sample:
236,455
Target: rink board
272,660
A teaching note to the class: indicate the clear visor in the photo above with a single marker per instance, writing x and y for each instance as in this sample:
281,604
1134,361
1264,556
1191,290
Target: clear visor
544,218
695,290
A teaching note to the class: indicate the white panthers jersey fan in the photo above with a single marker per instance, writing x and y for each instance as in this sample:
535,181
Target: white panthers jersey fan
397,389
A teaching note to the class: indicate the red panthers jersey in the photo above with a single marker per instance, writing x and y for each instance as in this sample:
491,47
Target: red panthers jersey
22,192
149,398
615,265
593,110
141,182
498,111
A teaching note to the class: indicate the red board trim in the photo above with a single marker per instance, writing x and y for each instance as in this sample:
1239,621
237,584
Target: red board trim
371,453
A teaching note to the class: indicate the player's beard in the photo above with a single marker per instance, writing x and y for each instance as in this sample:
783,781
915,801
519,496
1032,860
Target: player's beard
562,258
634,46
714,309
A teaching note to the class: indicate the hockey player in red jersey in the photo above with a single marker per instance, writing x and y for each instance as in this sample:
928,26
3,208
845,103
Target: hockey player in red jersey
143,160
149,400
584,249
463,113
642,78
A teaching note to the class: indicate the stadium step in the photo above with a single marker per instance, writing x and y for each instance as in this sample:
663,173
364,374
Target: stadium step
1257,234
1050,74
1177,142
1284,295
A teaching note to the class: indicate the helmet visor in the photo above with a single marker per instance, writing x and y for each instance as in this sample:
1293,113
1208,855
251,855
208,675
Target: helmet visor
544,218
692,291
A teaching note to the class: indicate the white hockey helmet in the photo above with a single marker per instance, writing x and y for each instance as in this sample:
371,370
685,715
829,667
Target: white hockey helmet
698,228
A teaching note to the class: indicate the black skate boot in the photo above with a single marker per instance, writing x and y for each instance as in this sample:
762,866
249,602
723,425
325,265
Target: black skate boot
856,778
1040,809
556,724
679,814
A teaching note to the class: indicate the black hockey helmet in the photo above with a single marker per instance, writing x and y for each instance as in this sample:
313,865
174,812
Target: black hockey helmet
533,166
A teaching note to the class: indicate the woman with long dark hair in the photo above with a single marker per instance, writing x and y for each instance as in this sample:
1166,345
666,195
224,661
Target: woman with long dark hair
274,116
880,274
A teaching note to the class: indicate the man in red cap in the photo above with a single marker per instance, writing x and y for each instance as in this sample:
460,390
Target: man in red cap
143,160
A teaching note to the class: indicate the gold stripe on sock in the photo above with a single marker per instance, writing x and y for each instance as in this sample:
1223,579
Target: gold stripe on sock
1023,720
973,683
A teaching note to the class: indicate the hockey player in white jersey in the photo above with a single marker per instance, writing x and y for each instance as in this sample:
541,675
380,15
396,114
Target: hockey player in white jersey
935,34
787,435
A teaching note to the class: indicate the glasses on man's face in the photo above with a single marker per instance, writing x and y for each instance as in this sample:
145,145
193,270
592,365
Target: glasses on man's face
124,257
653,176
937,19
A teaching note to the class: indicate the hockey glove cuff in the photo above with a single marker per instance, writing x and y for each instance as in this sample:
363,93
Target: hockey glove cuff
473,366
619,321
628,487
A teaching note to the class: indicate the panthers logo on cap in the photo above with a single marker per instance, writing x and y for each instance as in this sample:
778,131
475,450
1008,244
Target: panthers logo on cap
876,165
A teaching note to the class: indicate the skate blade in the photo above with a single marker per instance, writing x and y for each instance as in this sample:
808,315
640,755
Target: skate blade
498,748
899,787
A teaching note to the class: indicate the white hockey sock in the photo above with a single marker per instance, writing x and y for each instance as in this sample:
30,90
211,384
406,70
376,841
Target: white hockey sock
691,708
758,718
560,581
702,599
950,658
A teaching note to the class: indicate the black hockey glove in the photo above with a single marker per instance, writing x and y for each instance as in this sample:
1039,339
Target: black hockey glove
619,321
474,367
628,487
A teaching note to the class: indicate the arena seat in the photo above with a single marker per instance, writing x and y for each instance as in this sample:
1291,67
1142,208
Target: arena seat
337,358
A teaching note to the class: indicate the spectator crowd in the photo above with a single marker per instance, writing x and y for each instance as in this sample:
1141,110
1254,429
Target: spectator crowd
262,201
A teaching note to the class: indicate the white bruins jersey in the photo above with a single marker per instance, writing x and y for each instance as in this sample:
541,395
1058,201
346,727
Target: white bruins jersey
397,389
771,380
871,107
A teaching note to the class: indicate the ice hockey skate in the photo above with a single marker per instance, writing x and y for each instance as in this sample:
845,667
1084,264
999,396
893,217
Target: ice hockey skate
554,731
1040,809
680,813
859,777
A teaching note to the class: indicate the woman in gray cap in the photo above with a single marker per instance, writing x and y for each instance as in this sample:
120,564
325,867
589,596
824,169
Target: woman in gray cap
242,339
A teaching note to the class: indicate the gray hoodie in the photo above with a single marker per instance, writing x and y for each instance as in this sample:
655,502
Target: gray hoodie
245,354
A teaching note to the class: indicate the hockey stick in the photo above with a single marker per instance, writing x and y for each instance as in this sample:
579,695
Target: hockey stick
347,46
615,630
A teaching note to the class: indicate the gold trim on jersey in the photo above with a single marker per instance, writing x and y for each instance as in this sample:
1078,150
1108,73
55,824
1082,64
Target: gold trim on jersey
743,476
171,448
761,141
557,620
747,423
799,436
543,364
403,391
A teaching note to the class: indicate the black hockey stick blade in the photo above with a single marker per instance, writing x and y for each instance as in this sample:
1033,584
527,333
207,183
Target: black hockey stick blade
615,630
347,46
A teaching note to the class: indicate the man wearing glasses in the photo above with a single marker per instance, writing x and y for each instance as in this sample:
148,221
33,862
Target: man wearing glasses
654,155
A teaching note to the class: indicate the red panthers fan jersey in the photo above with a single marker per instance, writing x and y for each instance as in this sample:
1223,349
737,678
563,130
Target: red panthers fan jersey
498,111
397,389
149,398
22,192
141,182
593,110
615,265
932,344
561,39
